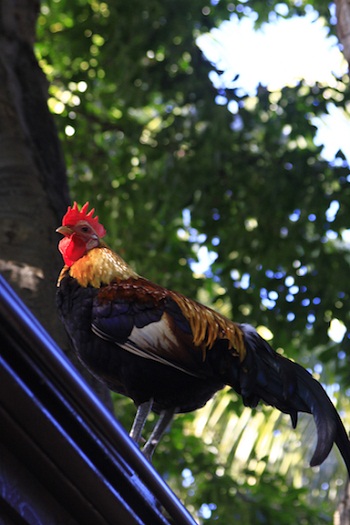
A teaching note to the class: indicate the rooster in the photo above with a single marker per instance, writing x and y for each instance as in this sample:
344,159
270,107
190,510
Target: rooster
168,353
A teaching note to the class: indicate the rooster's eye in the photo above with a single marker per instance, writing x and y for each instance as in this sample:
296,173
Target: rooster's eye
85,229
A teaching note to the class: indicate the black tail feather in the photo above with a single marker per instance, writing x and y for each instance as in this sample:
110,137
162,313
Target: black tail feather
270,377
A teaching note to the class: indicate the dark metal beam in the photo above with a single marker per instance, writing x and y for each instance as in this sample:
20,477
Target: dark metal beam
59,430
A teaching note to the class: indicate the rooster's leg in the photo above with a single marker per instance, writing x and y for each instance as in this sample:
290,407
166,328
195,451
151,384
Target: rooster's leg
142,413
165,418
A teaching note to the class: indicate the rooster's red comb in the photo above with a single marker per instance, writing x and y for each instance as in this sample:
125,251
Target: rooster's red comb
75,215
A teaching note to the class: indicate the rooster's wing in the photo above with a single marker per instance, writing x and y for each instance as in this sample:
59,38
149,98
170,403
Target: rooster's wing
155,323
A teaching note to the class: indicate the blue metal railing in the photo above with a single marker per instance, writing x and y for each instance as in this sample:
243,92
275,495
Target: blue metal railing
98,444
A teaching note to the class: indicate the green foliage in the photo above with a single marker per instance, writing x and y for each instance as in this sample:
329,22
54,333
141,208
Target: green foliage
143,135
145,139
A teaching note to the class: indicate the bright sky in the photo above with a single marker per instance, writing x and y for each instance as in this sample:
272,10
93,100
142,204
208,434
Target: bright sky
280,54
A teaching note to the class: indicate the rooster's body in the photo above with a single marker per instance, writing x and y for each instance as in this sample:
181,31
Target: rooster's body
169,353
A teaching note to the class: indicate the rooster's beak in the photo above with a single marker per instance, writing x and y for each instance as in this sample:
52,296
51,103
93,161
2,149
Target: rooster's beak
64,230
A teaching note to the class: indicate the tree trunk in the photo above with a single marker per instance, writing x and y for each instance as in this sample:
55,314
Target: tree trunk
33,186
343,26
342,515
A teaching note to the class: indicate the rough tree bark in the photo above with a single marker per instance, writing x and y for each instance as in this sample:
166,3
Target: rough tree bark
33,186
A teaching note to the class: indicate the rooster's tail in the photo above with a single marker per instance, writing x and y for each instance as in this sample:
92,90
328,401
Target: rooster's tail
270,377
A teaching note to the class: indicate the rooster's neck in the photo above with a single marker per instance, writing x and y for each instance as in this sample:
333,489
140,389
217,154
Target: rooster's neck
100,266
